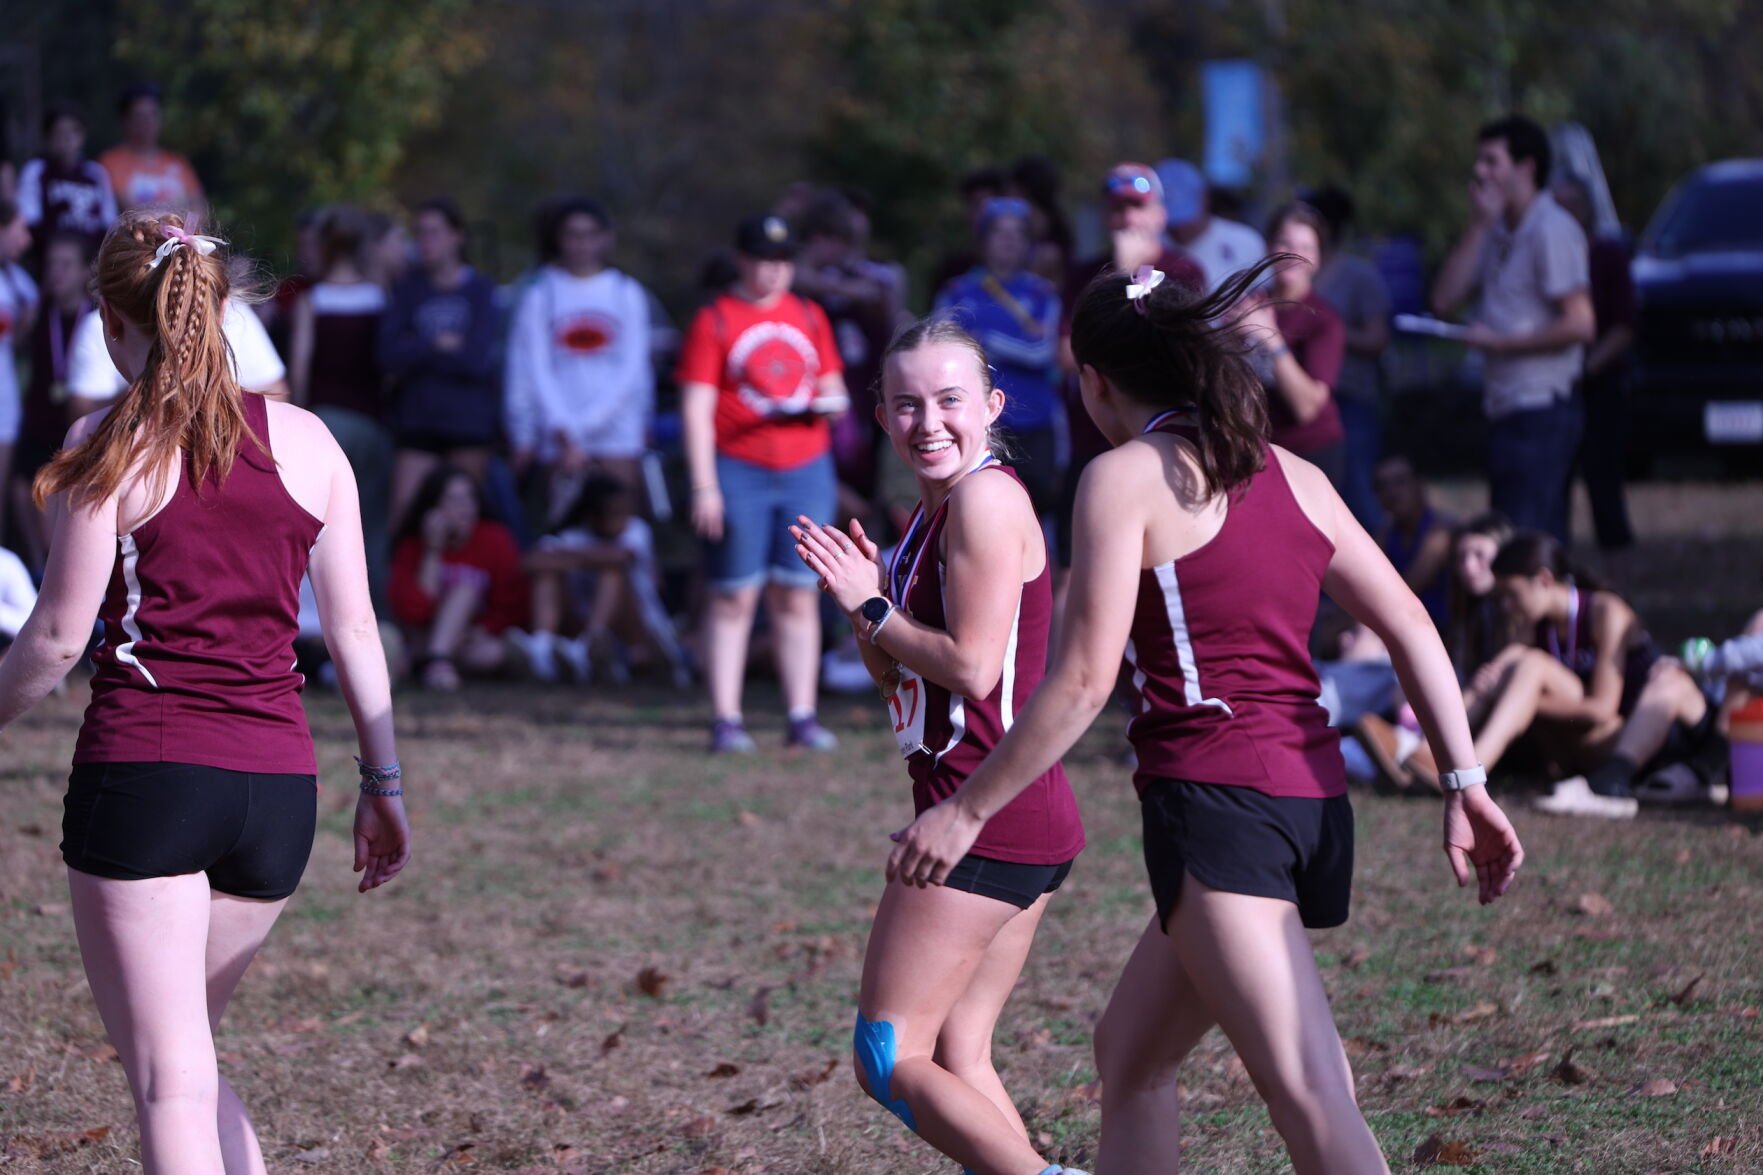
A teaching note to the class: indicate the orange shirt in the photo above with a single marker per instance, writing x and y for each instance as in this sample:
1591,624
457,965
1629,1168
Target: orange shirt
155,179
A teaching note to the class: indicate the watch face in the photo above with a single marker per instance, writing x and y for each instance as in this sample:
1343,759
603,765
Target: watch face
874,609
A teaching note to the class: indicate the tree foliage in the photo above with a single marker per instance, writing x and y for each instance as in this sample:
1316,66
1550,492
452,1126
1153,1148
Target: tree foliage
299,102
928,91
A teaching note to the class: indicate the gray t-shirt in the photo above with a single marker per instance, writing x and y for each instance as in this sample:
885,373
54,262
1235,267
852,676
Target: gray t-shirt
1354,287
1525,272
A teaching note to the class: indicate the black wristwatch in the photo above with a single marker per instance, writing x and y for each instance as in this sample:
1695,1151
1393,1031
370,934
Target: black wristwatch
876,611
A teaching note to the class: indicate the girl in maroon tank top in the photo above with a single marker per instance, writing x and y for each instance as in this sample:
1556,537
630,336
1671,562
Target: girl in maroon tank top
1200,549
953,627
191,806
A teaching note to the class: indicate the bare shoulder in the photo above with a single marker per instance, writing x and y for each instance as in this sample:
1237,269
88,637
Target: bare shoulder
85,426
1611,612
293,427
990,497
1315,493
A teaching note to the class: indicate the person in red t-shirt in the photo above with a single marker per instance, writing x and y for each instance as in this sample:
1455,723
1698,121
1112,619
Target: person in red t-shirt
456,585
1299,344
759,377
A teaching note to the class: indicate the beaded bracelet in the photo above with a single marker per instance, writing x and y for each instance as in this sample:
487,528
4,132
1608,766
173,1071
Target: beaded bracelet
372,777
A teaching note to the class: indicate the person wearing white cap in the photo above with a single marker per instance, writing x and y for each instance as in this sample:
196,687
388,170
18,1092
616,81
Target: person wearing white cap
1218,246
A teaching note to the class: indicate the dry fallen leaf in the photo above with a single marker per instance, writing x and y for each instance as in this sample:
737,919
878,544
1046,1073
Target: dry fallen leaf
1546,967
811,1077
614,1040
1718,1146
576,979
1689,989
1592,905
1457,1108
407,1061
750,1106
1404,1072
535,1078
1435,1151
759,1007
724,1070
1481,955
317,1154
1356,957
418,1037
1658,1087
1520,1065
1478,1073
1605,1022
651,982
1570,1072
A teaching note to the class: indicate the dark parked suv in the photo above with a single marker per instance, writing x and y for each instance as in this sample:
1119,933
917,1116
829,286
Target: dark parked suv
1699,281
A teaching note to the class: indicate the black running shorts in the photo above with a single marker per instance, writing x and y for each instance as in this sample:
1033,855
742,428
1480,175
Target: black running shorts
1007,881
251,834
1239,840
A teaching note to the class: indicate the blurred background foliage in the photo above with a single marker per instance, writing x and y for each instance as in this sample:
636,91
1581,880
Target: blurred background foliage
683,114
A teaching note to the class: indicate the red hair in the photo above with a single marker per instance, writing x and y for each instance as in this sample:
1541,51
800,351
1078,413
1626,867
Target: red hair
186,398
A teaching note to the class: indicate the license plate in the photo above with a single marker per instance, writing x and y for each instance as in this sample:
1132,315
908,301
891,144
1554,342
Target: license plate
1733,422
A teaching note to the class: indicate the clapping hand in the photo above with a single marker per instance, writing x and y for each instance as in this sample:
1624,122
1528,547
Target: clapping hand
849,566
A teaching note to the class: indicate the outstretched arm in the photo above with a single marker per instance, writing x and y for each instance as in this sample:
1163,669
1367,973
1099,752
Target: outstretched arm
1479,840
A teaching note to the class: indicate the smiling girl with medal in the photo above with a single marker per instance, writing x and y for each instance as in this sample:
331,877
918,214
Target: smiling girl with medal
954,630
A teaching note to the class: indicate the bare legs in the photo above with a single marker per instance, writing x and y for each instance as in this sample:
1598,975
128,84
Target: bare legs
939,967
1246,963
795,624
795,637
1671,695
162,957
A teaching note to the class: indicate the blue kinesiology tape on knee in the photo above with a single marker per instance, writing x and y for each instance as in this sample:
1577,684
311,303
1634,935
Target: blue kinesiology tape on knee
873,1043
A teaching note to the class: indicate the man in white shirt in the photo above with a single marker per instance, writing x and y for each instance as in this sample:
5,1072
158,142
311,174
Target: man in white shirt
93,378
1218,246
1527,258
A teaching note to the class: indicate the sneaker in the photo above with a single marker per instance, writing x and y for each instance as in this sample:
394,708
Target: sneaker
1675,785
1575,797
574,659
808,732
728,736
534,653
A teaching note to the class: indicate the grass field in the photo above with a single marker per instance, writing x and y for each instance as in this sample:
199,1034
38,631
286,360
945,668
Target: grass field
612,953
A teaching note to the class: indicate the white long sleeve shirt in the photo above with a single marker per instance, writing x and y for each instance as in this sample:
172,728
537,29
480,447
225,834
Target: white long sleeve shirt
17,595
579,366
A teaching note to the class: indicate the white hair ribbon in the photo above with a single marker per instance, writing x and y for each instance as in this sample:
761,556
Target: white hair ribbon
176,236
1144,280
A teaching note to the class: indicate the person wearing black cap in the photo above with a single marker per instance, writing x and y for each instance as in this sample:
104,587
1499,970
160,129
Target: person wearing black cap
142,173
760,376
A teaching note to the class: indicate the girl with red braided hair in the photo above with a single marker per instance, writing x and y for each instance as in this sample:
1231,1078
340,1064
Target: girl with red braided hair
190,809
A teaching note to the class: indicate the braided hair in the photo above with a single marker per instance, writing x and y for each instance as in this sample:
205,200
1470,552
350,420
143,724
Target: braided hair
186,398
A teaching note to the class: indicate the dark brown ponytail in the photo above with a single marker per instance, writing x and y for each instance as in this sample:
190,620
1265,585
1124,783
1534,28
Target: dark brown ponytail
1175,348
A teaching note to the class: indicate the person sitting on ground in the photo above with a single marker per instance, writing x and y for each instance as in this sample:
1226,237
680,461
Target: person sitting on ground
457,586
1476,630
598,567
1416,538
1585,669
17,597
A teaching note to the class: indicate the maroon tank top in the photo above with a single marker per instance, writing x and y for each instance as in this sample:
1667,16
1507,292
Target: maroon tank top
197,664
1041,826
1224,690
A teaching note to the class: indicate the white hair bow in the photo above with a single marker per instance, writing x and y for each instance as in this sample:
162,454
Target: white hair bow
1144,280
175,236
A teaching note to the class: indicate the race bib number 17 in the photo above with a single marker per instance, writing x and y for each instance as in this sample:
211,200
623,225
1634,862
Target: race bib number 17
906,708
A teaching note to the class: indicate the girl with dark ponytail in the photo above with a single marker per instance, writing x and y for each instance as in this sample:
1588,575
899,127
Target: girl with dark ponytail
1201,550
183,519
1585,677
